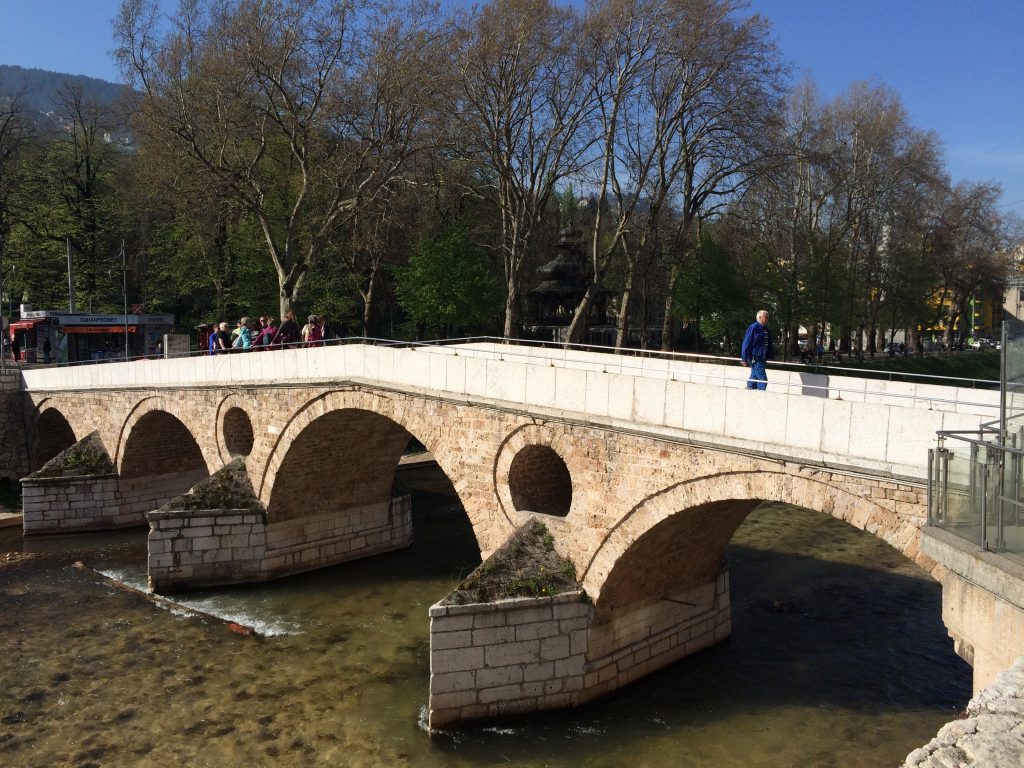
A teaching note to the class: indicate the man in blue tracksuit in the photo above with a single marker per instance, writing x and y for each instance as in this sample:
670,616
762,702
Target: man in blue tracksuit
757,347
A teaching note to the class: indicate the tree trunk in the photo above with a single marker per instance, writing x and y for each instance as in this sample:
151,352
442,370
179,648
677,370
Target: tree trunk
622,322
509,330
578,325
666,323
369,303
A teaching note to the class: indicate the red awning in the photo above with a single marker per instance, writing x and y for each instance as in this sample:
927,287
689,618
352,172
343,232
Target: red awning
98,329
21,325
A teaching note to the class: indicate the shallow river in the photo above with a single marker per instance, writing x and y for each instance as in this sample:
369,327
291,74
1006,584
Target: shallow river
838,658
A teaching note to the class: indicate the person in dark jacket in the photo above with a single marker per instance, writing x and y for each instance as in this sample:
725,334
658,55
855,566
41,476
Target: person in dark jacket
757,347
288,333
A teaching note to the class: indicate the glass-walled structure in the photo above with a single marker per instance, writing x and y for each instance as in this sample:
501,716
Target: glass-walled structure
976,479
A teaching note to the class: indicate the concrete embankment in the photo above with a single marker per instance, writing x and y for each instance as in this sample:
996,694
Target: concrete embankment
991,734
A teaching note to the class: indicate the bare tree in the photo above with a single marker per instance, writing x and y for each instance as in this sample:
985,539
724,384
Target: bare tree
971,248
302,111
522,102
729,98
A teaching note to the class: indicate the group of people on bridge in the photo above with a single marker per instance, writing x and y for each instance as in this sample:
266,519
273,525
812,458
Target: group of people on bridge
264,334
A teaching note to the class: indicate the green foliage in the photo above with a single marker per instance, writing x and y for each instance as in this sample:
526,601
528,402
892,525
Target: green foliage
960,365
85,458
527,565
228,488
447,286
710,293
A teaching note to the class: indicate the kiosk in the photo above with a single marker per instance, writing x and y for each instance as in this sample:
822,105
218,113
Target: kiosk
76,337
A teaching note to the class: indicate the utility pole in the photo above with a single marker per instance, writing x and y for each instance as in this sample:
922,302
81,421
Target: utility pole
71,280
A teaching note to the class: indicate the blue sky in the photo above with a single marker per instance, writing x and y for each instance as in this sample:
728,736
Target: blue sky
957,64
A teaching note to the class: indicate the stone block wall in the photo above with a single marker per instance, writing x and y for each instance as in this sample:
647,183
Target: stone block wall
990,734
13,445
140,495
651,637
195,548
303,544
67,504
522,655
190,549
507,657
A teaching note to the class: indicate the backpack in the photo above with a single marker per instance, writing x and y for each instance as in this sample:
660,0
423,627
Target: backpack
316,333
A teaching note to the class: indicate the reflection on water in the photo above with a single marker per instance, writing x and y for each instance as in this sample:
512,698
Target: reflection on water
838,657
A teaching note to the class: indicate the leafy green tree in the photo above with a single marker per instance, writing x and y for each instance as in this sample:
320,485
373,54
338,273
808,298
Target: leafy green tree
710,295
72,191
448,285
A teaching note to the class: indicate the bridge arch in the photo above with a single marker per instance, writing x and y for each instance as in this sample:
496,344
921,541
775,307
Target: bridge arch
158,457
689,525
235,435
51,433
156,437
539,481
341,436
534,471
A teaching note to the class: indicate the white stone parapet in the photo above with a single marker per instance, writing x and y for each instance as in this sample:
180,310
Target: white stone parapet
876,426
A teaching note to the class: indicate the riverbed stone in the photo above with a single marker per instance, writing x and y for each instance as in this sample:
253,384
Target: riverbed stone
990,736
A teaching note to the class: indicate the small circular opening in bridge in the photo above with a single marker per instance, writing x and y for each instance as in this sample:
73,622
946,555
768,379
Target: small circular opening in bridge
539,481
238,436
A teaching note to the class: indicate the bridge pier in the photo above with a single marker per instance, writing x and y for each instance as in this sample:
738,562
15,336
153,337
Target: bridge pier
193,544
77,490
982,603
13,447
526,654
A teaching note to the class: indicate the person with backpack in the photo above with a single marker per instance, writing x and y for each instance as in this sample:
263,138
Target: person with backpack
314,332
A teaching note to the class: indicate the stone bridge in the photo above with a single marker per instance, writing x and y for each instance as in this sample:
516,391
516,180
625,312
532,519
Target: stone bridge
641,468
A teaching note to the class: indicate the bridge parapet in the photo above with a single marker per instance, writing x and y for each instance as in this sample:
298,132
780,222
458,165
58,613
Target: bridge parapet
880,427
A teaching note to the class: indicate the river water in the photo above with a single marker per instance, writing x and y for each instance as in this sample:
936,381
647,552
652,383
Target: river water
838,658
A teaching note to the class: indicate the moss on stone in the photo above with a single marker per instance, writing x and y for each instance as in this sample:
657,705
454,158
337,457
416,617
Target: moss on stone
227,488
86,458
526,565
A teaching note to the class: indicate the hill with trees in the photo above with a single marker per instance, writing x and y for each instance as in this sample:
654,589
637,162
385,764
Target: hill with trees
38,90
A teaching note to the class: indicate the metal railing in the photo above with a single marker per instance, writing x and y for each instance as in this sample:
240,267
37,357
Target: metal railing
976,487
645,363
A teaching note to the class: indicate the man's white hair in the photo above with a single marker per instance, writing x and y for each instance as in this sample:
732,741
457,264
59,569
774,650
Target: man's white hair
761,312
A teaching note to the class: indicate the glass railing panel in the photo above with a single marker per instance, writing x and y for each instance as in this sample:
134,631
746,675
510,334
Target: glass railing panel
956,479
1007,535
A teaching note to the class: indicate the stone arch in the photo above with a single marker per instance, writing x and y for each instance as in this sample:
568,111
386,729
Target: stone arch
235,435
539,481
140,412
51,433
707,511
534,448
158,457
386,421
